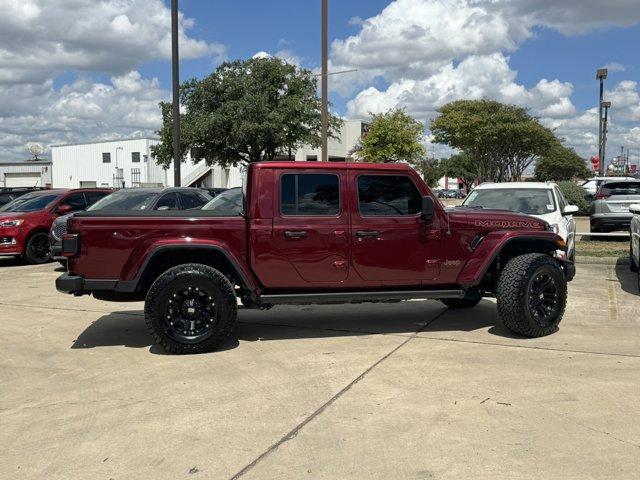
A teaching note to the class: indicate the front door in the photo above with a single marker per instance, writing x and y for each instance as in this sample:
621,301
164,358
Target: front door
391,244
310,229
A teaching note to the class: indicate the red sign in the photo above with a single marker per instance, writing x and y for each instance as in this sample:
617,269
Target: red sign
595,161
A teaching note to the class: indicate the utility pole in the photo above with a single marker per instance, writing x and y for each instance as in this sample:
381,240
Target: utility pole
325,80
175,64
601,74
603,144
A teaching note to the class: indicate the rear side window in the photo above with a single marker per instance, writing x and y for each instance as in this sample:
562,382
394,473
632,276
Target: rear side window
310,194
93,197
168,201
191,200
388,196
621,188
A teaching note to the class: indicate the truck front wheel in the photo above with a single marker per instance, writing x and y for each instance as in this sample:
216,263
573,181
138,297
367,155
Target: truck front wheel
191,308
532,295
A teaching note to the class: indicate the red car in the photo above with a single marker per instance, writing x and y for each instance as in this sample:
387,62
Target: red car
25,222
316,232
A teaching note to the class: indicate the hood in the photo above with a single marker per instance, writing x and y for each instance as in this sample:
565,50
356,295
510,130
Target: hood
490,220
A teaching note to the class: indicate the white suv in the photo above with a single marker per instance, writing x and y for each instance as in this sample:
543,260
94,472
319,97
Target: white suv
541,200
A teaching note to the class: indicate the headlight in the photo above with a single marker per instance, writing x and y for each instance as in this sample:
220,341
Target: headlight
555,228
12,223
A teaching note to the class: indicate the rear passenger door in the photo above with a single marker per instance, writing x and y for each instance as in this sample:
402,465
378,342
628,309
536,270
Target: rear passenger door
310,228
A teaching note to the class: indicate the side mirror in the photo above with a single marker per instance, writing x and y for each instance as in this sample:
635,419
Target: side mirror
635,208
428,207
64,209
570,210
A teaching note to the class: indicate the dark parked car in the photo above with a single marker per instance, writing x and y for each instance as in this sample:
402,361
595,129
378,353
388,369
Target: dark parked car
8,194
132,199
214,192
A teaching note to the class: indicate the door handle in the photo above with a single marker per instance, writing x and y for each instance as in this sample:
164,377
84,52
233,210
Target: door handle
295,234
367,233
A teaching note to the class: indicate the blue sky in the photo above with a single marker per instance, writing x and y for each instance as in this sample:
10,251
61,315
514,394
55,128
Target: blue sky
104,77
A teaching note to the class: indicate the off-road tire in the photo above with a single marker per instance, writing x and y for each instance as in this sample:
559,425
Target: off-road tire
513,294
632,263
32,257
470,300
201,277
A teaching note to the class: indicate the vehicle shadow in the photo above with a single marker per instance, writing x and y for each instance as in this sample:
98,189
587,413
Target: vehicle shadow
628,279
127,328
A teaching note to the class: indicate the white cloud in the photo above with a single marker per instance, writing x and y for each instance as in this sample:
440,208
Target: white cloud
615,67
40,39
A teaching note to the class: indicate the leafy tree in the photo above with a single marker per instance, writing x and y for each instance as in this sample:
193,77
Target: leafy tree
575,195
246,111
561,163
460,166
429,168
502,140
392,137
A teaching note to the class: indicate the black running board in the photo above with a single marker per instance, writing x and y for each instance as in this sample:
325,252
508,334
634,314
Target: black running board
347,297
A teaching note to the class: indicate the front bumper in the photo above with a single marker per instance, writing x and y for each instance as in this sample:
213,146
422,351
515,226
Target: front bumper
611,221
9,245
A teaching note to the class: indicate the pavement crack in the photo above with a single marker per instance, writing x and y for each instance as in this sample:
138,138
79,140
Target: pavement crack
294,432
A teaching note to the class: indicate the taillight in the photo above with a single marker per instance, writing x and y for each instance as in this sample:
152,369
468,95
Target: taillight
70,245
600,194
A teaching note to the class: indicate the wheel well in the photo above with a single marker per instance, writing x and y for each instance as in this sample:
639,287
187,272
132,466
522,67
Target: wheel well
514,248
31,234
162,261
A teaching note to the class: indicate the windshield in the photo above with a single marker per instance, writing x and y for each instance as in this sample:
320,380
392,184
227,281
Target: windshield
530,201
30,203
124,200
228,203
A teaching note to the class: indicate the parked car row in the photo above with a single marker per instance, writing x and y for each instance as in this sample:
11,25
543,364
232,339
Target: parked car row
8,194
33,223
450,193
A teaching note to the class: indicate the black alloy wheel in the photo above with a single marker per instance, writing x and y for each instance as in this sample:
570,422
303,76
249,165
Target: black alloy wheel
190,314
38,249
543,299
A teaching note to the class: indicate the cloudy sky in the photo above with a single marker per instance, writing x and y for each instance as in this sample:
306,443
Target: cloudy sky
75,70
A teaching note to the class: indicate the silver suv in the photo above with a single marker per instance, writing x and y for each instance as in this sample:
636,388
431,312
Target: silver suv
610,209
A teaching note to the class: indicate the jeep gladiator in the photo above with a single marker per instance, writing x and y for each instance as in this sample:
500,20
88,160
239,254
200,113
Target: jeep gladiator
316,233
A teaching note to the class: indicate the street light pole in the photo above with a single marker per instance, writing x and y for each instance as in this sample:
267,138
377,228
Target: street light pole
175,64
603,145
601,74
325,80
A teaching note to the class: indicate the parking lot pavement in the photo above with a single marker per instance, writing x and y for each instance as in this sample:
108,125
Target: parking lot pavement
406,390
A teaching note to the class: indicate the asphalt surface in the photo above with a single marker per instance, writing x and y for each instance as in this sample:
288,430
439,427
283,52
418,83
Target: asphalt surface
388,391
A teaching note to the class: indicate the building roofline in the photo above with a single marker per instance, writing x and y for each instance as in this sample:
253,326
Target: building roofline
105,141
26,162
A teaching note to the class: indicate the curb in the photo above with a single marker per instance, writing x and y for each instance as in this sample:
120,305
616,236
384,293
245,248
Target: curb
587,260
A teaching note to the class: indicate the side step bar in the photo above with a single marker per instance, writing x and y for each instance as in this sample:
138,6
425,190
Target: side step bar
347,297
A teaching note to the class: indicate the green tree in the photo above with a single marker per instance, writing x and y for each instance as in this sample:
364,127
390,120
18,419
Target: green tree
561,163
246,111
429,169
460,166
392,136
502,140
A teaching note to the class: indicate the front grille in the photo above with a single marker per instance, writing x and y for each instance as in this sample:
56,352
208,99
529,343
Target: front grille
59,230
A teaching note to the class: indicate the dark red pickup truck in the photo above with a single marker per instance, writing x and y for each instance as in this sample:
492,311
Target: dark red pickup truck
316,233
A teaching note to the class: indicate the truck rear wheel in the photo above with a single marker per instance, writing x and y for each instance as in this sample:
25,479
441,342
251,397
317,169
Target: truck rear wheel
532,295
191,308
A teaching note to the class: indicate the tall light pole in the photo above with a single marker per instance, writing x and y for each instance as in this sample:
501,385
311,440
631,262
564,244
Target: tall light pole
601,74
175,64
325,80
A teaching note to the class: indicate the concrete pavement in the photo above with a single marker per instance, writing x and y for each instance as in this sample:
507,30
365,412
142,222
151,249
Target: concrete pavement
407,390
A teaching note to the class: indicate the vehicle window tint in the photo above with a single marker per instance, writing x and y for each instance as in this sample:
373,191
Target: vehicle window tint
561,200
621,188
93,197
75,201
168,201
191,200
310,194
388,195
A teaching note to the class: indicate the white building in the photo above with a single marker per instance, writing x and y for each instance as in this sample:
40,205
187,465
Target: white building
129,163
33,173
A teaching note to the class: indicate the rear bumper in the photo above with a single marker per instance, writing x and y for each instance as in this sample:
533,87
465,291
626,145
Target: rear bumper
77,285
611,221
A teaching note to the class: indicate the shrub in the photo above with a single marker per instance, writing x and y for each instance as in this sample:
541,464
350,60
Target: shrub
575,195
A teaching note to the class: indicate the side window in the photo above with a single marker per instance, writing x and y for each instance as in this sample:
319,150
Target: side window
388,196
93,197
76,201
168,201
191,200
309,194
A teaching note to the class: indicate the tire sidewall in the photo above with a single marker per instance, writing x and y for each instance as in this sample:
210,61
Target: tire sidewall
561,287
27,253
